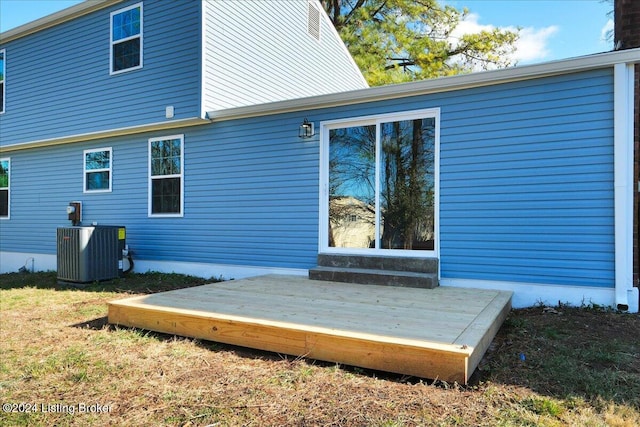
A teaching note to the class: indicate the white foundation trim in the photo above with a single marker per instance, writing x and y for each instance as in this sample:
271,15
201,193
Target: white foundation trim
226,271
532,294
13,261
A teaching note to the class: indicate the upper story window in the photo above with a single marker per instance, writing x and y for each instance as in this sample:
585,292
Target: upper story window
97,170
126,39
5,165
2,79
166,173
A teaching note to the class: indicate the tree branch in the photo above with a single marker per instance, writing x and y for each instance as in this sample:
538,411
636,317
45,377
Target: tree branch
382,5
357,6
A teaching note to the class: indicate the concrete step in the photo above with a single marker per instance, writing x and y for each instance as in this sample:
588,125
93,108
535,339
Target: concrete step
407,279
377,262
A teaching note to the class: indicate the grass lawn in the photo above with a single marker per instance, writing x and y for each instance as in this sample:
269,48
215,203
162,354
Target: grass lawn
62,364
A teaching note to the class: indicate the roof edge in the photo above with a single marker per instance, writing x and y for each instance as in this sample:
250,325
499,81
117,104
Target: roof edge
443,84
56,18
194,121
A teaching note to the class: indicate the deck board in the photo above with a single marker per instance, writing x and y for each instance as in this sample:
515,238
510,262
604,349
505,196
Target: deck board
441,332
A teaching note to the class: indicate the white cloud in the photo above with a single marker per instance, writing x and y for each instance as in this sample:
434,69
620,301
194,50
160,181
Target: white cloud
470,25
606,30
532,45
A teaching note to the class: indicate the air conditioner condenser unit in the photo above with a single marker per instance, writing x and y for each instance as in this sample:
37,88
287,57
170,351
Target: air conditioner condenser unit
90,253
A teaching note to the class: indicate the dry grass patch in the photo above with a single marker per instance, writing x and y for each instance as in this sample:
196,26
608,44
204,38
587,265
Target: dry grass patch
580,367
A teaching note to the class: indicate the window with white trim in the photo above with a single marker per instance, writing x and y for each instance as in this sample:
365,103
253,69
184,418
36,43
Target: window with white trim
3,79
166,172
5,166
380,179
97,170
126,39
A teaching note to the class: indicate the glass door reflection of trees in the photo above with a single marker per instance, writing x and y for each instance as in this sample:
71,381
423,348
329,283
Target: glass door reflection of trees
381,185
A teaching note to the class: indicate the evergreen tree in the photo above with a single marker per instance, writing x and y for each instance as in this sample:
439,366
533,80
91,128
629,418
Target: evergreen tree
394,41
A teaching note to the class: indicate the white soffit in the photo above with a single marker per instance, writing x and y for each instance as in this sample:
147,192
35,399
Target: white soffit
90,136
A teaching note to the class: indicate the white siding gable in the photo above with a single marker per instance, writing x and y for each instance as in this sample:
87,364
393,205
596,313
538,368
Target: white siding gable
268,50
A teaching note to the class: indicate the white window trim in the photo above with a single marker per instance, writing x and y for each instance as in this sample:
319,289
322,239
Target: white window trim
3,52
86,171
8,159
112,42
325,127
180,175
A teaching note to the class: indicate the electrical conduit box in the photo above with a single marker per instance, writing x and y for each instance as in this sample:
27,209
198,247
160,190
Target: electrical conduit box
74,212
90,253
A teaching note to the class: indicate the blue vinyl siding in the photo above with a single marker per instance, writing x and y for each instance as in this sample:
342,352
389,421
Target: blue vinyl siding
526,178
60,82
526,186
527,183
248,201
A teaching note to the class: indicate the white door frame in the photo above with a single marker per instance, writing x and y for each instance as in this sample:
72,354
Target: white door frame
325,127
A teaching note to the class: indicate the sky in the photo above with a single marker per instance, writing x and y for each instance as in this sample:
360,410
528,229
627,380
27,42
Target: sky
550,29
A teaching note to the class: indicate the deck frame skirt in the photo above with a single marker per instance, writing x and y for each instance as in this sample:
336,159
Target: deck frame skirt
438,333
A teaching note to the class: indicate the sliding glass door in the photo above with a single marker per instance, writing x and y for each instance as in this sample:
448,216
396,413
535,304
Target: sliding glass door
380,183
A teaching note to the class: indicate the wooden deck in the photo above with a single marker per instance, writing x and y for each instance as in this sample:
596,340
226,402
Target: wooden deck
436,333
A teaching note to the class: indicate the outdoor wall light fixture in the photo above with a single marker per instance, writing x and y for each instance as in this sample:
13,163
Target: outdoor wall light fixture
306,129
